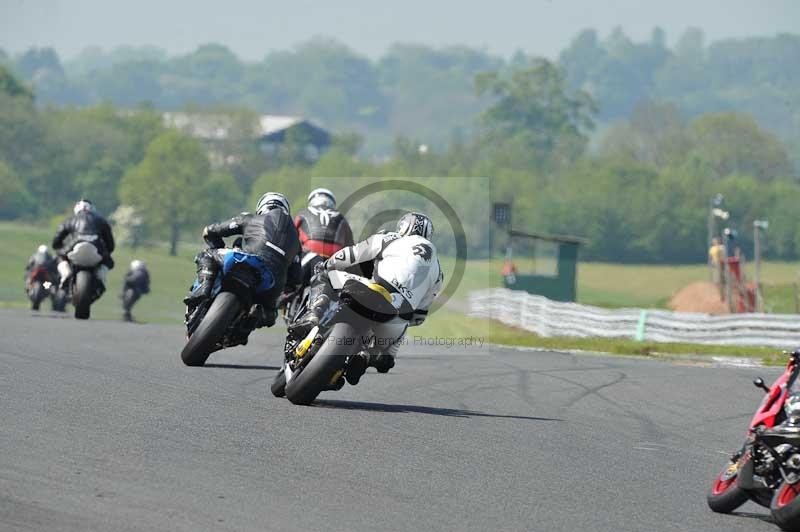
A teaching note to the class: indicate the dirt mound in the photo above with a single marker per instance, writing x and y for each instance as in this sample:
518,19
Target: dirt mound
701,296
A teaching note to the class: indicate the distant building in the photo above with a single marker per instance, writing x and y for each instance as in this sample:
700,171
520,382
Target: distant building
271,133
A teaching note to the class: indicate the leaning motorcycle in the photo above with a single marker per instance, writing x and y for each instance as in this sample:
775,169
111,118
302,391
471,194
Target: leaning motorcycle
222,320
319,361
766,469
83,285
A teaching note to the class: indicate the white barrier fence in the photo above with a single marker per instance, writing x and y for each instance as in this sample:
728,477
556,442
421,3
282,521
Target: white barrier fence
551,318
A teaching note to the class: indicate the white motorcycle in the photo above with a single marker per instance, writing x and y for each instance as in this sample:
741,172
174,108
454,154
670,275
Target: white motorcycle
362,314
83,283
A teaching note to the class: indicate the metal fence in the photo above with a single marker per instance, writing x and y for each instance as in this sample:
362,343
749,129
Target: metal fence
550,318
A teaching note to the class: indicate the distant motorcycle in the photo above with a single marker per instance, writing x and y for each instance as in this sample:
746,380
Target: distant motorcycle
83,285
766,469
222,320
42,285
319,362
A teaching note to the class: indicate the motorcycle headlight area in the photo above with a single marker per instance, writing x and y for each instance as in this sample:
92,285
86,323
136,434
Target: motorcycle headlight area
792,405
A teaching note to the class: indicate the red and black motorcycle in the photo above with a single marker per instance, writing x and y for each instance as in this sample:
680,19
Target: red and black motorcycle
40,285
766,469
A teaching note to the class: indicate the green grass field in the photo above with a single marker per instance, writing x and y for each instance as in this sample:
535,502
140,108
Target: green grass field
609,285
649,286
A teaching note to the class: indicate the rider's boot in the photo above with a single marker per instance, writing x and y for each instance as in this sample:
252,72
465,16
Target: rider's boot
356,367
64,272
206,273
383,360
311,317
262,316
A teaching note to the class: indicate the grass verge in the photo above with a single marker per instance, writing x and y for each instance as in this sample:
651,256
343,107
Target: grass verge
449,324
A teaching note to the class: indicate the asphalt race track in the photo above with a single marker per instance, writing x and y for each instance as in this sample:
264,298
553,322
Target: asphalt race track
102,428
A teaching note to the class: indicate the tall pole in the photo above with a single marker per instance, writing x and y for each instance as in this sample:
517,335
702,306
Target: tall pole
758,226
757,253
710,236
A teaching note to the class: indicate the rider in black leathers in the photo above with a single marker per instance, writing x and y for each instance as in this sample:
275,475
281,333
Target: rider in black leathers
270,234
136,284
85,226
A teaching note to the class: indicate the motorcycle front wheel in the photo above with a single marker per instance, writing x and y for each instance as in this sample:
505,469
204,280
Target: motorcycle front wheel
204,339
725,494
278,386
785,507
306,385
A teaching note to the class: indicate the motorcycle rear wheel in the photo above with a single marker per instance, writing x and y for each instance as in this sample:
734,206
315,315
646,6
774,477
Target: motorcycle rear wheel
216,321
82,294
785,507
316,376
725,495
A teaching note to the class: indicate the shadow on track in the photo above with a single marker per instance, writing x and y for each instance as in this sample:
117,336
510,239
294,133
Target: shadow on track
750,515
418,409
241,366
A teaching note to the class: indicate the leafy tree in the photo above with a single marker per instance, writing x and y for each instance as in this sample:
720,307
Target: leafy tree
655,135
533,106
36,60
109,144
11,86
731,143
25,146
321,78
168,186
129,84
15,201
431,89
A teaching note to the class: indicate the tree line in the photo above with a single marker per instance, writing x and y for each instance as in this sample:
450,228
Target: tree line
638,190
427,93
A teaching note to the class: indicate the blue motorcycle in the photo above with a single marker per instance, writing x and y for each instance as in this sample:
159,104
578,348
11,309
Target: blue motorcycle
223,320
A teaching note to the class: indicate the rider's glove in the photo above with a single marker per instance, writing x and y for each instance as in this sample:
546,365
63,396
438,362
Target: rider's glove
320,267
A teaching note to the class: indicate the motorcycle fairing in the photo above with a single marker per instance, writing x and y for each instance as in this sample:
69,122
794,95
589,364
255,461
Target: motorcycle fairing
772,404
238,257
84,255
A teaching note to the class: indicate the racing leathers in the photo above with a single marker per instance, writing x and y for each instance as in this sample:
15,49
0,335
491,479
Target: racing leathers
136,284
322,233
270,236
407,266
84,227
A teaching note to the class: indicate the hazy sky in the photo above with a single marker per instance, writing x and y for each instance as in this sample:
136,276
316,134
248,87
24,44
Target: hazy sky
251,28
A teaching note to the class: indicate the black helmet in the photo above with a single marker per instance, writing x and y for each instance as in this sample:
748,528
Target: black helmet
415,223
272,200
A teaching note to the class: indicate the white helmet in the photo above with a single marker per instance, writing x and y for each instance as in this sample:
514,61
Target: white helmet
272,200
415,223
41,249
322,197
83,205
137,265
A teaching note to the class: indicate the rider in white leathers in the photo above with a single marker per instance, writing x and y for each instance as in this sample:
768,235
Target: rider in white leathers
404,262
